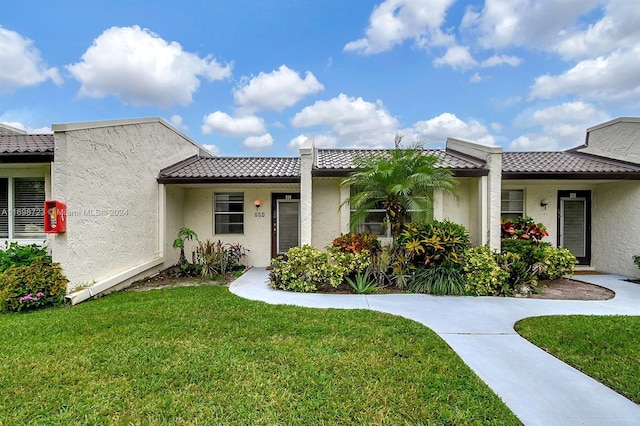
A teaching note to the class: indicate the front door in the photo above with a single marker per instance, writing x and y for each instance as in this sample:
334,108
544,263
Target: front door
574,223
285,223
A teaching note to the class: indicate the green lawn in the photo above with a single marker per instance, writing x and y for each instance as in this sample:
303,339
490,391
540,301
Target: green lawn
605,348
202,355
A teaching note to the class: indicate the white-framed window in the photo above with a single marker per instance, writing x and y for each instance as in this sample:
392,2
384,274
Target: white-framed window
375,220
229,212
22,207
512,204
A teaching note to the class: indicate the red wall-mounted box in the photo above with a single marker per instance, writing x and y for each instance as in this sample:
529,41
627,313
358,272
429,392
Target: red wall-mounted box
55,217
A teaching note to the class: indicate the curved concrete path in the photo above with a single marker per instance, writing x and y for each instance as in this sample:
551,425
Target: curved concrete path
537,387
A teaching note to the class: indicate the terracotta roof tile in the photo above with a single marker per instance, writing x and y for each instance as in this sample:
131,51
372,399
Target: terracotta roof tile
26,144
562,162
233,167
338,159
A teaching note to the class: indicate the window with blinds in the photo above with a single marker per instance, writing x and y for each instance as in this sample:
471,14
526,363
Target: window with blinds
229,213
512,204
28,207
22,208
4,208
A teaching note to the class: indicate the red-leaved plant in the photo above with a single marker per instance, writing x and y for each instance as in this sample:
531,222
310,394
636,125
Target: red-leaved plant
524,228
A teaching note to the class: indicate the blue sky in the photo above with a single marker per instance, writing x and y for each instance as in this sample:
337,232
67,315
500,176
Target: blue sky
256,78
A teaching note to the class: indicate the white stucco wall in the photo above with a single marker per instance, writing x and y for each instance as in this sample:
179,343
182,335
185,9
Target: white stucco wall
327,217
461,209
616,227
619,139
198,216
106,174
174,220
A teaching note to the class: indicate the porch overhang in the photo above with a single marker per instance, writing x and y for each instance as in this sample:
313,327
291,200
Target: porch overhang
210,180
572,176
340,173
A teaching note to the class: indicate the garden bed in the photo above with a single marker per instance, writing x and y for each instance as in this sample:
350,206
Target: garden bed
167,279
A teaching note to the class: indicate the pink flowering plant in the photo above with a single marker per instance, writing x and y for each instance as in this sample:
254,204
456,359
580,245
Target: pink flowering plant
35,285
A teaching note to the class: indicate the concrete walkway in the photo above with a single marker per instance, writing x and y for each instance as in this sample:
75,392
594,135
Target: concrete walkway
537,387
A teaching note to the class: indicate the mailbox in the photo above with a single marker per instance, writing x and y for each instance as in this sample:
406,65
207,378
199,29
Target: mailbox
55,217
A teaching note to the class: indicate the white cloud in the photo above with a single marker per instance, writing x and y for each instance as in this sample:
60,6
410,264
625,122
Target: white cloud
439,128
258,142
531,23
615,78
457,57
475,78
352,121
618,28
319,141
223,124
21,63
139,67
496,60
177,121
276,90
557,127
394,21
212,149
31,130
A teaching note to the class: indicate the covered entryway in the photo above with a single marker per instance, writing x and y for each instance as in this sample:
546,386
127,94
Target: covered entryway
574,223
285,222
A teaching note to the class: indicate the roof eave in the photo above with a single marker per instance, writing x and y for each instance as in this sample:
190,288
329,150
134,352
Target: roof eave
228,180
345,172
31,157
570,175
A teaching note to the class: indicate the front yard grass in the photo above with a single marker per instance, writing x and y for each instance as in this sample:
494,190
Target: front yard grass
603,347
202,355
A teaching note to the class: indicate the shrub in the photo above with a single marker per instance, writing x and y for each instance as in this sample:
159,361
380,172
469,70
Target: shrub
522,276
445,278
304,269
357,242
557,262
434,242
351,263
363,283
25,287
20,255
529,252
524,228
636,260
218,258
484,277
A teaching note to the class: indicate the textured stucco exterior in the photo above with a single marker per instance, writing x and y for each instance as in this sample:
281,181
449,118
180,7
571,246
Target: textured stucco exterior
460,209
199,216
328,220
489,188
616,227
618,139
106,174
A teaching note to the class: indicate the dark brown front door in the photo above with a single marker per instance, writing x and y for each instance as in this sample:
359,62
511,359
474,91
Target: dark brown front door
285,222
574,223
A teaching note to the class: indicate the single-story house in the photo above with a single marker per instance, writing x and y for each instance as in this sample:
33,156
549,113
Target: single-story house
128,186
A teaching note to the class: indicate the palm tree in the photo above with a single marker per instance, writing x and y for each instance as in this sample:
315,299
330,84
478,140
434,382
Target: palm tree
400,181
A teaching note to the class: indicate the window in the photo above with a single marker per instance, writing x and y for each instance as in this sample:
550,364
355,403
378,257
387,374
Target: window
229,213
376,220
512,204
22,208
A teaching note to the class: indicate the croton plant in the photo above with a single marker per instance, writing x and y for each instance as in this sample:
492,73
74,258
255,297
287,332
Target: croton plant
524,228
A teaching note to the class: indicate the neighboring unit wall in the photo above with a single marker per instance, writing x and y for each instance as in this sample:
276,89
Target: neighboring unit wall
198,216
616,227
618,139
327,218
106,174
